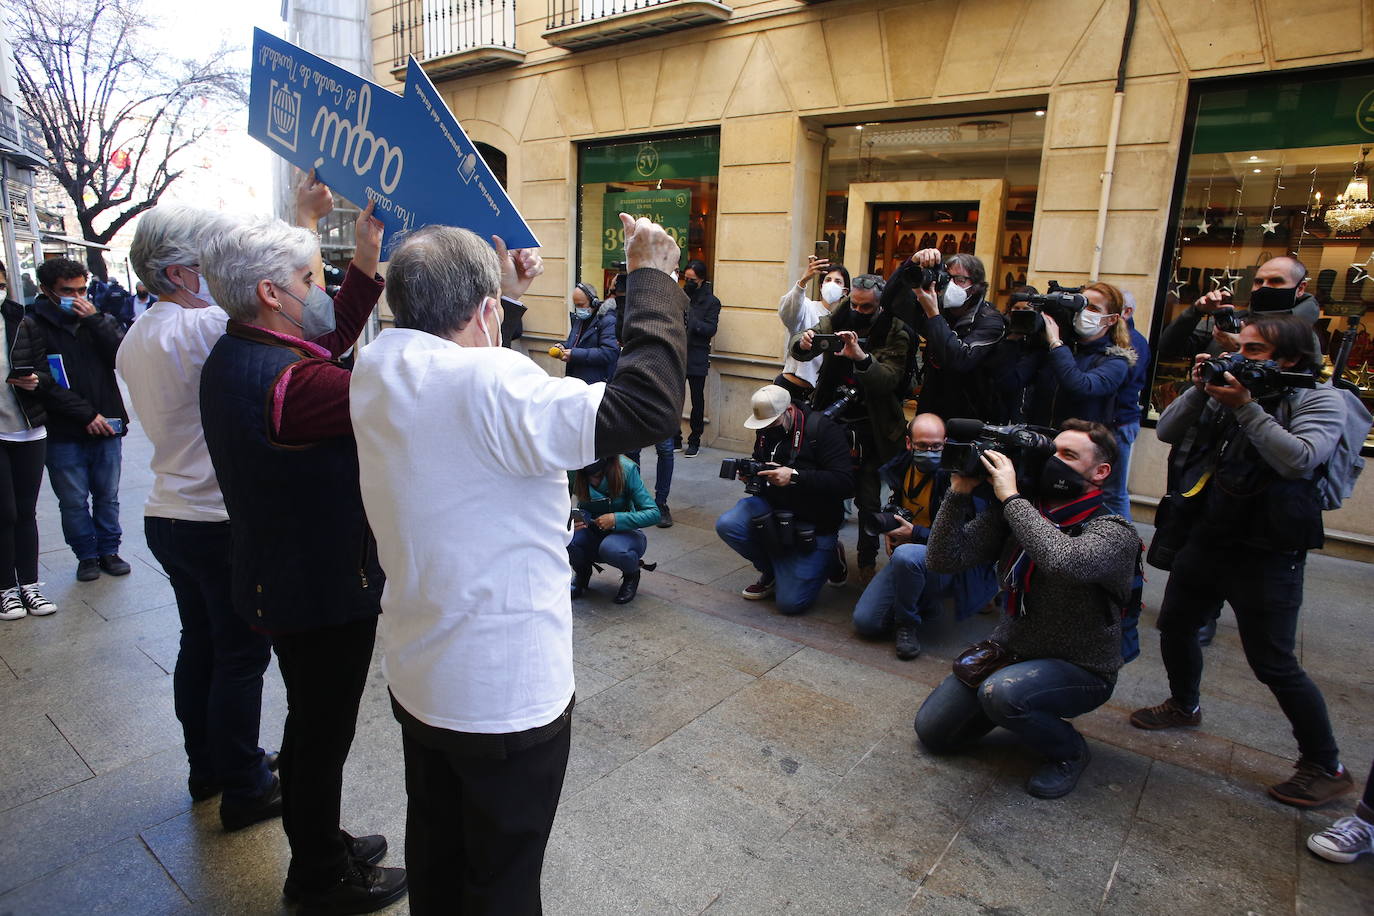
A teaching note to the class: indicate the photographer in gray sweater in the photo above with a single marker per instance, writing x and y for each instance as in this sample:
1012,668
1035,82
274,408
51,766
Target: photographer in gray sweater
1066,563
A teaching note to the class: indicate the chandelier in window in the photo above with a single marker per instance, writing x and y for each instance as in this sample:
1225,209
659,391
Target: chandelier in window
1352,210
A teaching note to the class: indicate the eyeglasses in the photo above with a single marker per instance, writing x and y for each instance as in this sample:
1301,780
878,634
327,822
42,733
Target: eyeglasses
869,283
961,281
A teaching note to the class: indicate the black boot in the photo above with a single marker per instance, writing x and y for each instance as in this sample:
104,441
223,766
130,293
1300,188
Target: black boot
580,582
629,585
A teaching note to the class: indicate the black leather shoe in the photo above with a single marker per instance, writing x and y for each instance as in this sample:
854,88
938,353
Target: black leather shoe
1207,632
908,646
114,566
580,583
204,789
235,814
363,850
87,570
1059,777
665,518
362,889
629,586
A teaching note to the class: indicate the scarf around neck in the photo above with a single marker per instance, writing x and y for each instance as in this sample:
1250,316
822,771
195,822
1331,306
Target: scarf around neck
1018,565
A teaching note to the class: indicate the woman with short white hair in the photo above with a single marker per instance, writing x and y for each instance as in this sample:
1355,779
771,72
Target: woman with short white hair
274,404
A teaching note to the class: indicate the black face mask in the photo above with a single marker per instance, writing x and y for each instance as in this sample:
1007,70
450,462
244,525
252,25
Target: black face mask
858,321
1273,299
1059,482
690,286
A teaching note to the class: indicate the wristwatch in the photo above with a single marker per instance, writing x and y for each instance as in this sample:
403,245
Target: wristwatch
796,477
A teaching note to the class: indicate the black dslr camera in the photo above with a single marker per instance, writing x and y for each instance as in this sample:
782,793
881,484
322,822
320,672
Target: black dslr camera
748,468
847,396
916,276
966,441
876,523
1262,377
1062,302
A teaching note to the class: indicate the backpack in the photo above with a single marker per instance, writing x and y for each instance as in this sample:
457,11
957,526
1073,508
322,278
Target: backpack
1128,606
1337,477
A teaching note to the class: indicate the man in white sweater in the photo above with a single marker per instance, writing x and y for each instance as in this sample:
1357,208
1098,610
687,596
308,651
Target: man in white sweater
463,448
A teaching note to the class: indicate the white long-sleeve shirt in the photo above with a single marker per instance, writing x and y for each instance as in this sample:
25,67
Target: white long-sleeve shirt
798,313
463,453
160,360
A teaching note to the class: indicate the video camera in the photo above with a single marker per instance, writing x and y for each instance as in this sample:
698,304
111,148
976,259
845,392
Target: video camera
966,441
876,523
1062,302
1262,377
748,468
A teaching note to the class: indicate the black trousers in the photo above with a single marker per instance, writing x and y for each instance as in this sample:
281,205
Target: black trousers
21,473
1264,588
324,671
696,386
217,684
478,816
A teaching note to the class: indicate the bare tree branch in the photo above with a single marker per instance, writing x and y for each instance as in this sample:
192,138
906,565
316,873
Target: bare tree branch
99,95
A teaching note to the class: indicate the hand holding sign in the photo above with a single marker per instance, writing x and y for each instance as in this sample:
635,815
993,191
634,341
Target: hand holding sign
518,268
367,232
648,245
313,200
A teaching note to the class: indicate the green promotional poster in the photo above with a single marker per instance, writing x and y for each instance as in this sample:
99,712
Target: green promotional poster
670,208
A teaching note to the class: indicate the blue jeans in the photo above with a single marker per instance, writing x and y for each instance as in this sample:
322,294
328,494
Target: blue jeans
87,468
1114,491
621,549
798,576
1030,698
217,685
663,472
900,592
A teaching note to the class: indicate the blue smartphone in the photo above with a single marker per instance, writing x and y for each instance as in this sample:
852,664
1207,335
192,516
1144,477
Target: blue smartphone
116,424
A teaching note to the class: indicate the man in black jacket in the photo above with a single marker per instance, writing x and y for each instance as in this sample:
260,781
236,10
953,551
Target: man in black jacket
1279,286
789,529
86,415
703,317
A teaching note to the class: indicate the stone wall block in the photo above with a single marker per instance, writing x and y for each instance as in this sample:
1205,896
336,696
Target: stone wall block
715,73
638,83
569,93
1099,52
759,89
678,73
1048,37
1220,33
748,141
916,37
603,92
799,53
856,45
1312,28
979,40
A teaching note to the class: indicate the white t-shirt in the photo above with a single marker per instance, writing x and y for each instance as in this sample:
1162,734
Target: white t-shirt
160,362
463,453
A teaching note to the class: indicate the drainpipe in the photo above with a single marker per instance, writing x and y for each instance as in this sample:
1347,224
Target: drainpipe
1109,165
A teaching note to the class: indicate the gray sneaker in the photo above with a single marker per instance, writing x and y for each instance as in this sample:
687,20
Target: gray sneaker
1344,841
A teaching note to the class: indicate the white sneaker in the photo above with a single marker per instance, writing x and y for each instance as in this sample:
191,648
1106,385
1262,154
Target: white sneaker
1344,841
12,604
37,604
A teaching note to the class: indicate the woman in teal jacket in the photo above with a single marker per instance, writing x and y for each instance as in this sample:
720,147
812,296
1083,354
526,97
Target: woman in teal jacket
612,505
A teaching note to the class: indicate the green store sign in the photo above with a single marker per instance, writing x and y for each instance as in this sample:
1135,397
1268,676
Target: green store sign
652,160
1288,115
670,208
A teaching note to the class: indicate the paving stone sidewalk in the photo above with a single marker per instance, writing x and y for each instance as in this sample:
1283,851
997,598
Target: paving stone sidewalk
726,760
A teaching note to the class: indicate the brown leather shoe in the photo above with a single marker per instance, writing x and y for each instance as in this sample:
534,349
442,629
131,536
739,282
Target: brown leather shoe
1311,786
1168,714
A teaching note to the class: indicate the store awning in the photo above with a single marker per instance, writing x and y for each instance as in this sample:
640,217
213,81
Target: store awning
71,240
20,155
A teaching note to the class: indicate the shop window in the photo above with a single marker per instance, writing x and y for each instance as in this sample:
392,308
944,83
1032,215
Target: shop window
1004,146
1274,168
673,180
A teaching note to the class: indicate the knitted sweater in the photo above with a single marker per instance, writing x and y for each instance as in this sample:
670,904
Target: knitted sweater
1067,612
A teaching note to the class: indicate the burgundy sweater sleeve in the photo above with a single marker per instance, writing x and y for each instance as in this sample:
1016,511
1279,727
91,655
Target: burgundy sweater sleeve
311,403
352,304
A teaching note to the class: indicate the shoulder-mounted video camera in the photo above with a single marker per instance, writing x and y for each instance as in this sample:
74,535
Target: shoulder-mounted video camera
1062,303
967,440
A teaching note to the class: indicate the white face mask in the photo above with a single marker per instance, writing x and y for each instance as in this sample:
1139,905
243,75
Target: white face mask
486,333
202,290
1088,324
832,291
954,296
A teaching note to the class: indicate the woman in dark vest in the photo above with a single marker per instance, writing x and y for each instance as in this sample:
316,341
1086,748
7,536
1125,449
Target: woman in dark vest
274,403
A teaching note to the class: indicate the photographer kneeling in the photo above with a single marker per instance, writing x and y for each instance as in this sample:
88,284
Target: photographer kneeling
1067,564
905,587
798,480
612,505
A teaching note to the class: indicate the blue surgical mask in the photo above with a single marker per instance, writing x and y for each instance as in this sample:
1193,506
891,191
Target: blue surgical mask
926,461
582,314
317,313
67,303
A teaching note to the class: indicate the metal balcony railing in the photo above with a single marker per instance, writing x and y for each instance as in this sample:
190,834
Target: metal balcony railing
579,24
575,12
431,29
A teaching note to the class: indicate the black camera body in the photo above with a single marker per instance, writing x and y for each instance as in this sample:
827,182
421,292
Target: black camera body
826,343
1262,377
748,468
916,276
1063,303
967,440
1227,319
889,519
847,395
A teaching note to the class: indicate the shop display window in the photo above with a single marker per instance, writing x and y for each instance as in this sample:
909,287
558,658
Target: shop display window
1275,167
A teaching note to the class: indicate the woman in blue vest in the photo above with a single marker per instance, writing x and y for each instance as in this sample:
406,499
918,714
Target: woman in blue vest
612,506
591,350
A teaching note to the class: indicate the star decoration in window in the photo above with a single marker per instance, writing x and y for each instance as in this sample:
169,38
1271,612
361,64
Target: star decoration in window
1225,283
1363,270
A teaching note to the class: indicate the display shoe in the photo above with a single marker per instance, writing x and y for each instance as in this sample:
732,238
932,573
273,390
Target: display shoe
1015,250
966,244
949,245
1010,280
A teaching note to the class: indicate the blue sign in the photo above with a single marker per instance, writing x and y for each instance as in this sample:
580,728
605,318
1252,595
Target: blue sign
408,153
